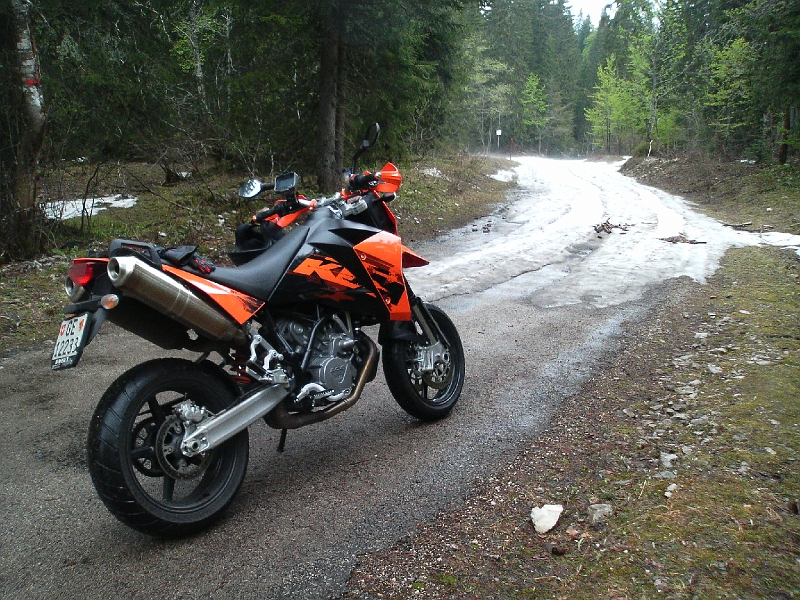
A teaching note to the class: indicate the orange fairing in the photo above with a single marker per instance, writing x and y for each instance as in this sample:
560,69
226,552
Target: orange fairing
390,179
327,270
238,305
381,256
412,259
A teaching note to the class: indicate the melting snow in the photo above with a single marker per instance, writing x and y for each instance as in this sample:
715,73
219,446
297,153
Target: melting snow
433,172
545,246
69,209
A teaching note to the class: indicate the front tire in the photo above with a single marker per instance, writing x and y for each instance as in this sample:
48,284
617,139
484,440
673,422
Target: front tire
171,495
427,396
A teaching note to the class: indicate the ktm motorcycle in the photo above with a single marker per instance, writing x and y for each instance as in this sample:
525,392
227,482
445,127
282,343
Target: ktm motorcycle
280,336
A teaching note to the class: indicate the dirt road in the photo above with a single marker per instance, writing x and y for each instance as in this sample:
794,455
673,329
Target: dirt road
539,297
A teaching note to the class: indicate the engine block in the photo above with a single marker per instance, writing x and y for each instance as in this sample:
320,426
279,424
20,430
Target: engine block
329,359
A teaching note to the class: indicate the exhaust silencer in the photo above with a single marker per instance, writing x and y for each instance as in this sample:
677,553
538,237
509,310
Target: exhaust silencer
161,292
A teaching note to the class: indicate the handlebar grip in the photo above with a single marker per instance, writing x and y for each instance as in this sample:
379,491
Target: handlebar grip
359,182
264,214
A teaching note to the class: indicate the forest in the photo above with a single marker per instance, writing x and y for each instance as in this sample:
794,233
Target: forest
264,86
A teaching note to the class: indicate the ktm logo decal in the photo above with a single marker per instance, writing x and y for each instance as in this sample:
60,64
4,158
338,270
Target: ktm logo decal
328,271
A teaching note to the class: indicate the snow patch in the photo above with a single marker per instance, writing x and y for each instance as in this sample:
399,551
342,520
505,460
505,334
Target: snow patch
505,176
434,172
61,210
545,246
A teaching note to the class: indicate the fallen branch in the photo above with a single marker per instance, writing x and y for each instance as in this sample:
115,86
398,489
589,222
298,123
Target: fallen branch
608,226
738,225
680,239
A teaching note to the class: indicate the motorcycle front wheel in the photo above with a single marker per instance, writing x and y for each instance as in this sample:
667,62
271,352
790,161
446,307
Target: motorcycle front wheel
134,452
431,395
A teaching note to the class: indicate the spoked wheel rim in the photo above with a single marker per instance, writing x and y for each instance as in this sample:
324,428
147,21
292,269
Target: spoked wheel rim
166,479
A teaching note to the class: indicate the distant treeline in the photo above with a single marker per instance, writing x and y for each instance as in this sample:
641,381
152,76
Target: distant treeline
269,86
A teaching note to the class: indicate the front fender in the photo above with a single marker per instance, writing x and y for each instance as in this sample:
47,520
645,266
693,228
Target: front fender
397,330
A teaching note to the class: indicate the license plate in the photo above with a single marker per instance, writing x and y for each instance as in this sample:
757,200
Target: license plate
70,342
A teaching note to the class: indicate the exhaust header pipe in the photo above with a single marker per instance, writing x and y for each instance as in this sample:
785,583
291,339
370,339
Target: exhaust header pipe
280,417
159,291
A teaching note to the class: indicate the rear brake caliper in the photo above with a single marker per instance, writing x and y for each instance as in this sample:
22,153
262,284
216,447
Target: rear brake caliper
171,458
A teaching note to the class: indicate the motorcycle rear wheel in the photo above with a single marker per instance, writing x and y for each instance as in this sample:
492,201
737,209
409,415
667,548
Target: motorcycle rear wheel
428,397
133,422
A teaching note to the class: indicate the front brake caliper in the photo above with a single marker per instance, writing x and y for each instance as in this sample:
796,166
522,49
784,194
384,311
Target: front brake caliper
434,364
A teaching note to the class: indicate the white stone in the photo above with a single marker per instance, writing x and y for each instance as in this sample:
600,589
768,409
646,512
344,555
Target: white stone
599,512
546,517
667,458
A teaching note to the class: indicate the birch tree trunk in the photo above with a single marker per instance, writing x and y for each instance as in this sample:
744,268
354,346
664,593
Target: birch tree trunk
194,38
22,234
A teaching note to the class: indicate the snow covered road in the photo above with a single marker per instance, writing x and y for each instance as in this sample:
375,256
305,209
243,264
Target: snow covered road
544,244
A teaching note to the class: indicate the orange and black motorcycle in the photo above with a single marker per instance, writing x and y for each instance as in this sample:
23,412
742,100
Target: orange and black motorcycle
168,442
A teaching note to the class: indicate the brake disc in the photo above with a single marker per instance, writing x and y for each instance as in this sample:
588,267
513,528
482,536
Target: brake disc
441,374
168,451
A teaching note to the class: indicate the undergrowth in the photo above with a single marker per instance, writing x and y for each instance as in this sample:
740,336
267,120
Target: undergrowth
204,210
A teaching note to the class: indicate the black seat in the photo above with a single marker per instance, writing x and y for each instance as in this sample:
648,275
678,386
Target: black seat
260,276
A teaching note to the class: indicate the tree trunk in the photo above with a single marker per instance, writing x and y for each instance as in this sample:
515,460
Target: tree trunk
327,177
341,115
194,35
783,149
21,232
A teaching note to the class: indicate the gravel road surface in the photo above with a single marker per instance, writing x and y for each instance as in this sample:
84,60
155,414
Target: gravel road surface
539,298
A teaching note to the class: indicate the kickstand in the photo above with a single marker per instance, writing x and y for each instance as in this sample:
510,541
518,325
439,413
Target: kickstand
282,443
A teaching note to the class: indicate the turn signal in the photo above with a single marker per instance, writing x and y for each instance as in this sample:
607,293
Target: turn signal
109,301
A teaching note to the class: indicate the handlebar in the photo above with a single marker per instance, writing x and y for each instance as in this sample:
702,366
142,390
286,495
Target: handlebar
360,182
285,207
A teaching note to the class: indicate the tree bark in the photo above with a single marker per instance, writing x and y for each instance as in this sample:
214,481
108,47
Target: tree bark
327,177
341,115
783,149
194,35
22,234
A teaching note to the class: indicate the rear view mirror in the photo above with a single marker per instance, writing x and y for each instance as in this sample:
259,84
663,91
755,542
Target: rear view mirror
371,136
250,188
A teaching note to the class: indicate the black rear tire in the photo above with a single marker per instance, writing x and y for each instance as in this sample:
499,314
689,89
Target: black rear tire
128,428
427,397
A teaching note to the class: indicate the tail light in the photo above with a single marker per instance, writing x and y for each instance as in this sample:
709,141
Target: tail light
83,271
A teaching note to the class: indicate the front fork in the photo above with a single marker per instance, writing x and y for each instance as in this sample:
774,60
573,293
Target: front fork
435,351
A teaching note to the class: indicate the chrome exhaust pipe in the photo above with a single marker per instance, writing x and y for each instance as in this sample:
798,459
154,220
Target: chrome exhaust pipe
280,418
161,292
